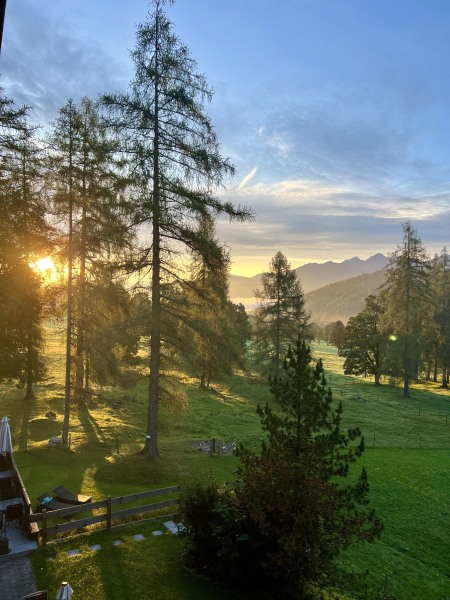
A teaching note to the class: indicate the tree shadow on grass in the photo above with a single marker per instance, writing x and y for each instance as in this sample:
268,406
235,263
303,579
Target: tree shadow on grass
27,408
93,432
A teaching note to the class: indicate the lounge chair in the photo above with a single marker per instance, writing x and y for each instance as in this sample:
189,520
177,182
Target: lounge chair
47,501
64,495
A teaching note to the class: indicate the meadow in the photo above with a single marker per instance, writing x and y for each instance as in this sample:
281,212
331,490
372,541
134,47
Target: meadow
407,457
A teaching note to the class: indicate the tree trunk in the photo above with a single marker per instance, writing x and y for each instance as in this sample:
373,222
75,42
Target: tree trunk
203,378
444,378
79,362
65,429
406,387
151,439
29,395
86,374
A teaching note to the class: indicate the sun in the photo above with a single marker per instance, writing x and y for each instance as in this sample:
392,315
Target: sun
46,268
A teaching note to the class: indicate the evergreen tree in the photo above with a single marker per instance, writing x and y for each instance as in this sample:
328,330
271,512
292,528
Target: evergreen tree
12,121
101,233
111,338
407,302
365,342
206,294
279,528
64,148
174,156
280,314
87,194
440,285
24,238
21,310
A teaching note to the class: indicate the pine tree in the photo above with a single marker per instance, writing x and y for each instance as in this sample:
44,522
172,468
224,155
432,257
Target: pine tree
407,300
174,156
280,314
279,528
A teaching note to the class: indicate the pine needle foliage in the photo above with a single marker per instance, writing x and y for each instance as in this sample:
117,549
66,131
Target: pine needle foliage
293,507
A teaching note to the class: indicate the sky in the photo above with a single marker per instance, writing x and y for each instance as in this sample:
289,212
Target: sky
335,113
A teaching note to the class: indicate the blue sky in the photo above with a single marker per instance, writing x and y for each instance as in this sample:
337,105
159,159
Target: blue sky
336,113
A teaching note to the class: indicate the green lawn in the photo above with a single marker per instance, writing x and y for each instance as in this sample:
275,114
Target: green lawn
407,457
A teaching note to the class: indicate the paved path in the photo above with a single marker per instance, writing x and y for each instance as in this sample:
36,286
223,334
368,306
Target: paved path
16,579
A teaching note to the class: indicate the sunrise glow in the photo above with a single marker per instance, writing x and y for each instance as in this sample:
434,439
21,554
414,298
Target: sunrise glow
46,268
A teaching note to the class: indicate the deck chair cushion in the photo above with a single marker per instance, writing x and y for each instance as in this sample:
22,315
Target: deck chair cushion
65,495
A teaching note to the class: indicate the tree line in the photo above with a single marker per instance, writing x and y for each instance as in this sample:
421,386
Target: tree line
403,331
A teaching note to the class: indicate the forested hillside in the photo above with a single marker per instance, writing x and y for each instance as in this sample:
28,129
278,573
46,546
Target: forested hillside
344,299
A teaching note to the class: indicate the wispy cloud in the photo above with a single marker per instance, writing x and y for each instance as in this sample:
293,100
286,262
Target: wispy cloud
248,177
46,60
309,218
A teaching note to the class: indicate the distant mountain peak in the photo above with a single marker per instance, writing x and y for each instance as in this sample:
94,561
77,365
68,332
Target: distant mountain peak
354,259
314,275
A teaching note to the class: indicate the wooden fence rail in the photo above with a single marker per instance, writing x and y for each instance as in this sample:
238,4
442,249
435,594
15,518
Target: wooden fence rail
109,516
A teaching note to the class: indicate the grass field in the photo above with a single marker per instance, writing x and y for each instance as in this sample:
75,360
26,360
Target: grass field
407,457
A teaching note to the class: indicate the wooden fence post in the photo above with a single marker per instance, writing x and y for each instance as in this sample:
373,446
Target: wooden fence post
108,514
44,526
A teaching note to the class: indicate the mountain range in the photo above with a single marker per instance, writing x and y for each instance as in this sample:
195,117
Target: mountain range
313,275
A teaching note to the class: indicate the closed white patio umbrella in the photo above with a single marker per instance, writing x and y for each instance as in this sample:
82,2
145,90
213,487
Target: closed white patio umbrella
5,437
64,592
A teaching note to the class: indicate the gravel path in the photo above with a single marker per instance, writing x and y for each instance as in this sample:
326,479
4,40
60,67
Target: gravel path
16,579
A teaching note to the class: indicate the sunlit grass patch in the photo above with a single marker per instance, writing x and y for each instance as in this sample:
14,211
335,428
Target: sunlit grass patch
408,443
145,569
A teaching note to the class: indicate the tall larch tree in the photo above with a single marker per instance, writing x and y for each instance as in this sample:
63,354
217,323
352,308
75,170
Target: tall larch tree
174,155
102,235
64,150
407,292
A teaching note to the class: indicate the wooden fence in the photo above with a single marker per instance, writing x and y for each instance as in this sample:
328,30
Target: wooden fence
108,517
19,489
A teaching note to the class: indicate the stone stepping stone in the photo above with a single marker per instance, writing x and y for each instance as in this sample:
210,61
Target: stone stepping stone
117,542
170,525
138,536
73,552
95,547
158,532
174,528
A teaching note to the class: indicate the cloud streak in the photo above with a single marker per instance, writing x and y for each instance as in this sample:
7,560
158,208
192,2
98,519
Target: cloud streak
248,177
